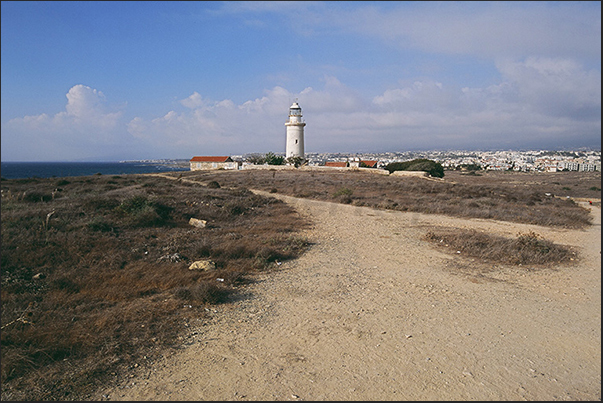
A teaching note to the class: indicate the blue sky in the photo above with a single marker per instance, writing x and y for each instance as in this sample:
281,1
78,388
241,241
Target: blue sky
105,81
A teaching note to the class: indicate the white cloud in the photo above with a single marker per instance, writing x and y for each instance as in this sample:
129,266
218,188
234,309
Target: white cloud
490,29
254,126
555,87
194,101
538,99
270,104
86,113
210,125
335,97
83,101
421,95
552,101
87,126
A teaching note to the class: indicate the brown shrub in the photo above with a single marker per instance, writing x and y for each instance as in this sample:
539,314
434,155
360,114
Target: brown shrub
530,248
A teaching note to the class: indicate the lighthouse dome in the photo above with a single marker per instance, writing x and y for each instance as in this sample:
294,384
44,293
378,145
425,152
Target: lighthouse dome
295,110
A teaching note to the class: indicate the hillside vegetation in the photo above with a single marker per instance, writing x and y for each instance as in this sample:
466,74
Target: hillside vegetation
432,168
531,198
95,272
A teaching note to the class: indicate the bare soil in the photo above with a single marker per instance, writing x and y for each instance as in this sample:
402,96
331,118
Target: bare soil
374,312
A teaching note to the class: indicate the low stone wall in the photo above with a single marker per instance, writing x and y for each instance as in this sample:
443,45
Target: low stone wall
409,173
204,166
323,168
373,170
314,168
333,169
266,166
344,169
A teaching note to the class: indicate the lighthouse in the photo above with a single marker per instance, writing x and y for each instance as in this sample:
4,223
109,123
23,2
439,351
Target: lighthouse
295,133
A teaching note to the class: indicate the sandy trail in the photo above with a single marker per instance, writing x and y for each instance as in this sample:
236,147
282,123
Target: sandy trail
372,312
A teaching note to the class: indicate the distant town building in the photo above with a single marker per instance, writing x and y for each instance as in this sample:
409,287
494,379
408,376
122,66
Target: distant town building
213,162
360,163
295,133
522,161
336,164
368,163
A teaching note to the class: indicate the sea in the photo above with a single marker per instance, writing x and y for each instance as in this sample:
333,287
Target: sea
22,170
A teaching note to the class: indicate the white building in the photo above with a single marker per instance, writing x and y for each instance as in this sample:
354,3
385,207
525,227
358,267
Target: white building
295,133
213,162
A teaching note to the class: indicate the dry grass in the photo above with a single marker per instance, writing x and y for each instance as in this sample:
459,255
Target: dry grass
95,272
527,249
532,198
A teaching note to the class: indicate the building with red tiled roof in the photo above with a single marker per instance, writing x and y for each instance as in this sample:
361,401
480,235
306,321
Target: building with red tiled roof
337,164
368,163
211,159
213,162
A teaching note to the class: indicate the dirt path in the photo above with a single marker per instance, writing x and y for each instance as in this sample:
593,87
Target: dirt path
372,312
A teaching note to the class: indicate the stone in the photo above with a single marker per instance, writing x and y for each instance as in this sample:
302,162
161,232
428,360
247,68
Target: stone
197,223
204,265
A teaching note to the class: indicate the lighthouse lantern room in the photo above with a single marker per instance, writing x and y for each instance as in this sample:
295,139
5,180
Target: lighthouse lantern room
295,132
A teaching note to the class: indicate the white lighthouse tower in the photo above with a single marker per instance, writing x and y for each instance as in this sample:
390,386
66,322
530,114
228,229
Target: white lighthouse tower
295,133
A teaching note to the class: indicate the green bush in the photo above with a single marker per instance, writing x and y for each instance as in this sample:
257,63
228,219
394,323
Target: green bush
344,191
273,159
433,168
295,161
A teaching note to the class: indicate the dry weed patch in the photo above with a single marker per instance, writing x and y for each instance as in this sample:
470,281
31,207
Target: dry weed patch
526,249
95,272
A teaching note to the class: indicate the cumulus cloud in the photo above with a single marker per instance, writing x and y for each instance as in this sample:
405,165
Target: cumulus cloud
194,101
208,126
425,95
541,94
555,87
334,97
86,109
88,124
256,125
538,99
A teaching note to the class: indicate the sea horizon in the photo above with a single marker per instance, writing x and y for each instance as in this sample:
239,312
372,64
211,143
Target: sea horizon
51,169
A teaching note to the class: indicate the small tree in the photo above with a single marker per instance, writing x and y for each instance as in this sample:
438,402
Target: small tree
469,167
272,159
255,159
433,168
437,170
295,161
